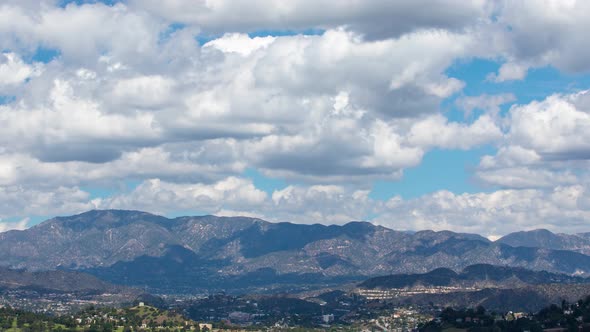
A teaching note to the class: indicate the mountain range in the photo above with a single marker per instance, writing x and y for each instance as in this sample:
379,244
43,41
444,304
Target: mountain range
208,252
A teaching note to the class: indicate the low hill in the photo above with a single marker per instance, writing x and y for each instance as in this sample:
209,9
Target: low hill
479,275
61,281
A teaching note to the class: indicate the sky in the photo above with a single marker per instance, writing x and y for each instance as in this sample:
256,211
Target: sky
470,116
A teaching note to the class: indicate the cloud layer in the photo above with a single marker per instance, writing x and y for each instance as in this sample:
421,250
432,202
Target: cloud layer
168,104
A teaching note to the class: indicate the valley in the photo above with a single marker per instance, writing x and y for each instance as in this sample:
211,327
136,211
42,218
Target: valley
247,272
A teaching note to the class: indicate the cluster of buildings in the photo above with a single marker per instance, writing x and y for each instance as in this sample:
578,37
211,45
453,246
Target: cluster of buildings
393,293
400,320
51,303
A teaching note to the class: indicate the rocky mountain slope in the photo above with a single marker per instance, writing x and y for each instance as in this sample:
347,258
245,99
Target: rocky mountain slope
138,248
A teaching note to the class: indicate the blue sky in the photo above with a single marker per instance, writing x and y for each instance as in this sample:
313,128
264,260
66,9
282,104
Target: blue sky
469,119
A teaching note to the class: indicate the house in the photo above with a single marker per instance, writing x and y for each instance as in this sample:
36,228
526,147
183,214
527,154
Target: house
327,319
205,327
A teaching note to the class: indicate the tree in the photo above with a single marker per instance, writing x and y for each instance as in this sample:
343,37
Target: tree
480,310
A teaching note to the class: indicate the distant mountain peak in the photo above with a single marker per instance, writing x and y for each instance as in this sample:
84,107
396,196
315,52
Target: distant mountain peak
106,219
450,234
537,231
103,212
543,238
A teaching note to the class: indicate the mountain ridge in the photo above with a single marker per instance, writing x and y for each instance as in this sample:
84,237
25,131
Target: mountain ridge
251,251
